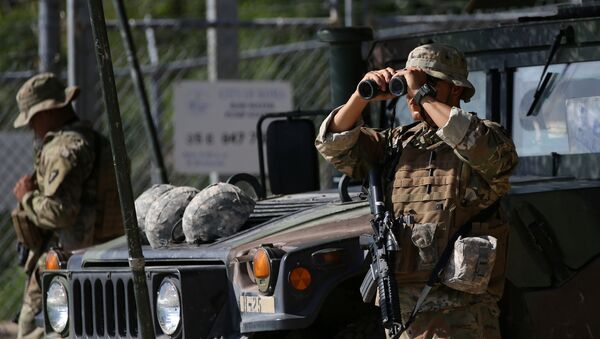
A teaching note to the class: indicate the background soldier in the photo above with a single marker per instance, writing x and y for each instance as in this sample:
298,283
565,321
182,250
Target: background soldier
73,190
448,167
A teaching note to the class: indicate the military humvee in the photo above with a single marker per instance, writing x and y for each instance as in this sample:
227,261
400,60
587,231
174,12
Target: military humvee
295,268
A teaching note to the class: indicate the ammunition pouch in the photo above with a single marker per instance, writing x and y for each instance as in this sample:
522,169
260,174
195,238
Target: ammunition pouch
27,233
471,264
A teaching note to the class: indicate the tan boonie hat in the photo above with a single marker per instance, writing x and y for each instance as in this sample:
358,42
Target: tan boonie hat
40,93
443,62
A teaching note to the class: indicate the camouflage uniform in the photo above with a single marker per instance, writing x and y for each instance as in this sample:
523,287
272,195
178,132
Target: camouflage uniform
65,200
488,155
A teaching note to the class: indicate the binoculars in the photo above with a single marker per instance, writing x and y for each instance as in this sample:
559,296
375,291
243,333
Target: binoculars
369,89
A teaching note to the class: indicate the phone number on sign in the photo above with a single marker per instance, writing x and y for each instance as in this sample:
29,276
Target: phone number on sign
225,138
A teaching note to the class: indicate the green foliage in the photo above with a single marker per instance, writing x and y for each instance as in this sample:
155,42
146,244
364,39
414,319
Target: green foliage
249,9
12,277
11,293
19,38
159,9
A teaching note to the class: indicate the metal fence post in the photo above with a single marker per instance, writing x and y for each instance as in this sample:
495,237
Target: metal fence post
155,108
138,82
222,46
81,60
155,93
49,37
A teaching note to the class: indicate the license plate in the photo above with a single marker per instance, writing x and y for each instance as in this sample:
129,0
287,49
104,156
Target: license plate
257,304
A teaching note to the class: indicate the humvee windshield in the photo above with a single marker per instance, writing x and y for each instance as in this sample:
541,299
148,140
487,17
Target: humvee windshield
567,120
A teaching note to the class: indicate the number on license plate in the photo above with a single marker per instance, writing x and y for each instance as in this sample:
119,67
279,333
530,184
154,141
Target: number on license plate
257,304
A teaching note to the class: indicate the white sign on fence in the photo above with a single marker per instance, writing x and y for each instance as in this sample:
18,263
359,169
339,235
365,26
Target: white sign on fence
215,123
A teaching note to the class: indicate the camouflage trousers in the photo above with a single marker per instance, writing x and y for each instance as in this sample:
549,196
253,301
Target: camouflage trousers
447,313
32,305
470,322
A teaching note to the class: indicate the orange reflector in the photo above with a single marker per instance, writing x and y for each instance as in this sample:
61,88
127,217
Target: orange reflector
300,278
52,261
261,264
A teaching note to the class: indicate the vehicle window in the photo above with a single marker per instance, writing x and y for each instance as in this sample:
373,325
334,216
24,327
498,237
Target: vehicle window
567,118
476,104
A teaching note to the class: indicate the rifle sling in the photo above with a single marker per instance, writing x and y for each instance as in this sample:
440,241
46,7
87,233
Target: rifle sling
434,277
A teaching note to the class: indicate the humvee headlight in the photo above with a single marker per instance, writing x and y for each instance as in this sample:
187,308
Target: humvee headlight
57,305
168,307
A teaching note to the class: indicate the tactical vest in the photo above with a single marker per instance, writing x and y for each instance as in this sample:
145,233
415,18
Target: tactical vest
109,222
427,190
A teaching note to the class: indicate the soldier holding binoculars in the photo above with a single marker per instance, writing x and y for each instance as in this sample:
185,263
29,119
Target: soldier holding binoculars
447,169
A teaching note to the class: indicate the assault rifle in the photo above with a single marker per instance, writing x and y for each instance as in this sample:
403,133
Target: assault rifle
383,248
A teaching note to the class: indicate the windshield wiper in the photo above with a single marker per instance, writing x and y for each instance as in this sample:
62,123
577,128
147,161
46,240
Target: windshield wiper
545,77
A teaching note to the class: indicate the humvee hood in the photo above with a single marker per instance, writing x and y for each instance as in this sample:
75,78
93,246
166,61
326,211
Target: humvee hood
305,227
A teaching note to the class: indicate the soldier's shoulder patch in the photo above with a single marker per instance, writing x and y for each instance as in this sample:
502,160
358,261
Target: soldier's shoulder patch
53,175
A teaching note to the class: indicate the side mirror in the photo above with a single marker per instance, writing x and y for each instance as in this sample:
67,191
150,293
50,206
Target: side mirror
292,157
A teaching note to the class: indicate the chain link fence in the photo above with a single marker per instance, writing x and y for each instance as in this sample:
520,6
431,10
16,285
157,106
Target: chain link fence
16,153
167,54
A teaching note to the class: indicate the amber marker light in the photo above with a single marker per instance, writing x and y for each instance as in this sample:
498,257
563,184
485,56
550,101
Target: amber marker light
52,261
328,257
262,267
300,278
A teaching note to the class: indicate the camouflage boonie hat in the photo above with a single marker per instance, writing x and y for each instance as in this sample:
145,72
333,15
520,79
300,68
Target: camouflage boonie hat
218,211
443,62
40,93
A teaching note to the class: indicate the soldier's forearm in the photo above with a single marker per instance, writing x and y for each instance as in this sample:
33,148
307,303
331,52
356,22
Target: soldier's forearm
438,111
348,115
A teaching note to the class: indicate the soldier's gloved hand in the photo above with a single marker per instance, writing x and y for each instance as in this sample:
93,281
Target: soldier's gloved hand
24,185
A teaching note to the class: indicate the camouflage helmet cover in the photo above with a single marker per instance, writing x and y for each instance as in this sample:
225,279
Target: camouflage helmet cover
217,211
40,93
443,62
143,202
164,215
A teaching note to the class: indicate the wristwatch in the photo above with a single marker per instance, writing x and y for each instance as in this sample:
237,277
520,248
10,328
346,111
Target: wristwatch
424,91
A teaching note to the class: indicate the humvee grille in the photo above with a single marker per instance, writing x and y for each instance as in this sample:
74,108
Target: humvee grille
104,306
